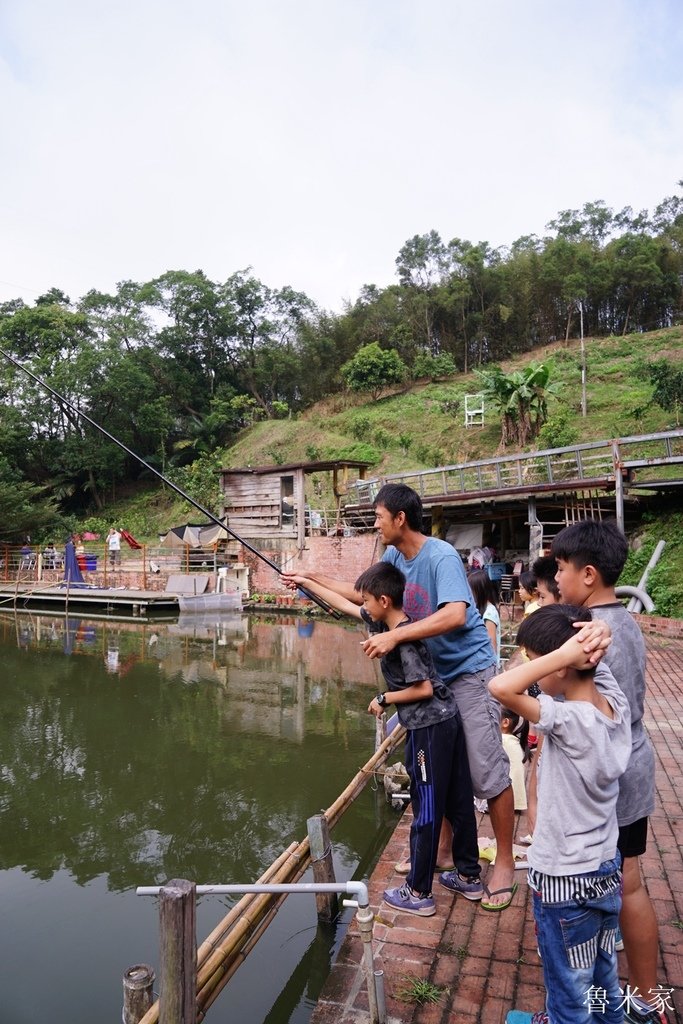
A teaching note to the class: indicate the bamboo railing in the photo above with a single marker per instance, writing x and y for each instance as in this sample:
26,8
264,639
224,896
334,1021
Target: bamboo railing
231,941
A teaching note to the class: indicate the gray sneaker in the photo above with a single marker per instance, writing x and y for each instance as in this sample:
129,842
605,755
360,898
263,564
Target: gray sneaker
637,1012
409,902
470,888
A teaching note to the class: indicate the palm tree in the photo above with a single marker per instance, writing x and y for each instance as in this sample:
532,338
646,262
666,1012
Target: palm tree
521,397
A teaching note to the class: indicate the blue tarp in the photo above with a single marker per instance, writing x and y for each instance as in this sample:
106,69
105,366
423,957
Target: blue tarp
71,570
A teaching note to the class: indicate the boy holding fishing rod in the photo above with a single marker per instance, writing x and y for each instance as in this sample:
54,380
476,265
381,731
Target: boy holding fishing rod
436,756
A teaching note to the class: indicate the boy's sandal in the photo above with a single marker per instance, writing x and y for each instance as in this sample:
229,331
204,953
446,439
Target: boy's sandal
495,907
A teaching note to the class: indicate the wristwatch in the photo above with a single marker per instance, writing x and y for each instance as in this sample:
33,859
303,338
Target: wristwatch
381,699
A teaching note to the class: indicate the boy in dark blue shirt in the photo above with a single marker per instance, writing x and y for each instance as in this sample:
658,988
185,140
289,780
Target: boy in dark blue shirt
436,756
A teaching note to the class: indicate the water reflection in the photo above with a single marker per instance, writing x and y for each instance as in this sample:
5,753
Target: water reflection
132,753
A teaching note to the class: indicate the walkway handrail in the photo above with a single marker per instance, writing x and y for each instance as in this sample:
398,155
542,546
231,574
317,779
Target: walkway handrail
582,464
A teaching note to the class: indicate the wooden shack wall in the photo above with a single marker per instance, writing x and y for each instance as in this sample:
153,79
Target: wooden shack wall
253,503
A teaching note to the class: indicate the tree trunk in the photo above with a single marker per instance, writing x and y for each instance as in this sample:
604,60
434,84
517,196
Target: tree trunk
628,316
94,490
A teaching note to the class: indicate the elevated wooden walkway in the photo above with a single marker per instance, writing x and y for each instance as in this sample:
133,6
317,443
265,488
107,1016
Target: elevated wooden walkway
641,462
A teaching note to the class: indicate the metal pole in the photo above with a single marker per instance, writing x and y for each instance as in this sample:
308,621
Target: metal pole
635,604
583,365
618,485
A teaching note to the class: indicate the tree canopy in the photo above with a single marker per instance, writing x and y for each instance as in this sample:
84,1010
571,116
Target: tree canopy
177,366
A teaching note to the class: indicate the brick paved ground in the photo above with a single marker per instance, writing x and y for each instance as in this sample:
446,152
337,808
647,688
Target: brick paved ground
488,962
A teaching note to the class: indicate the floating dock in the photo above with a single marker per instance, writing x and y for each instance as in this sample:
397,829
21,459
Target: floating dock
95,601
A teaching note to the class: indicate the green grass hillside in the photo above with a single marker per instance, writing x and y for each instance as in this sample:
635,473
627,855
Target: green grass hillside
423,425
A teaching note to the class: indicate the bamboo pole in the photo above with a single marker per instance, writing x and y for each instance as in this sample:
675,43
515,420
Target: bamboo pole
214,969
213,940
252,915
231,969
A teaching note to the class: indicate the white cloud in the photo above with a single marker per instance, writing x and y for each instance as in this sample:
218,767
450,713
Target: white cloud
310,140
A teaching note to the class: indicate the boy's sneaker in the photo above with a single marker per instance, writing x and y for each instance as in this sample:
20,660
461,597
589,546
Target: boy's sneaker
470,888
523,1017
638,1012
409,902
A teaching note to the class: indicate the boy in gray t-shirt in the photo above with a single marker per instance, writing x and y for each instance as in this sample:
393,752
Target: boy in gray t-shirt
574,865
590,557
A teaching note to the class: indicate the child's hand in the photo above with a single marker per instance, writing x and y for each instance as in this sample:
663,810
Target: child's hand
375,709
574,655
594,637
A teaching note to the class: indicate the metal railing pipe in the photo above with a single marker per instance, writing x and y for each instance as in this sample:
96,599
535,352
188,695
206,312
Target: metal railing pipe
364,917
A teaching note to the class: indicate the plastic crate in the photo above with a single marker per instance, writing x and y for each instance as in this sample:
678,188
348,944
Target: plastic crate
495,570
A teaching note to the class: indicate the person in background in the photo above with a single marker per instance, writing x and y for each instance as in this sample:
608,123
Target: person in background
486,600
545,570
114,547
50,555
515,730
528,592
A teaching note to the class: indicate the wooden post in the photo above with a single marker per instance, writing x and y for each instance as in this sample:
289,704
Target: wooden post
437,521
138,985
178,953
323,866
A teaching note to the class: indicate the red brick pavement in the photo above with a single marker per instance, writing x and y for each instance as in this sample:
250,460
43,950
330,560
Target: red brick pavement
487,963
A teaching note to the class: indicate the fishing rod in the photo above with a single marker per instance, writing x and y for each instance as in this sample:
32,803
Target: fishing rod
169,483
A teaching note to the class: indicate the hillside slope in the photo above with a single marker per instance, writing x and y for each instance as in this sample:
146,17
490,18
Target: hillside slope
423,425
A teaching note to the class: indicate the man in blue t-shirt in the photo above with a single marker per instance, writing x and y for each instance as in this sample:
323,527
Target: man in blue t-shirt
439,601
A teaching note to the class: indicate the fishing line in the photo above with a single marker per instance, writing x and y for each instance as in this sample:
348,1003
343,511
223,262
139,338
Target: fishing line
164,479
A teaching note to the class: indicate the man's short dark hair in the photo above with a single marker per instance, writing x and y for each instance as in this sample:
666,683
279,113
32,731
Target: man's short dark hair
545,569
382,580
550,627
593,542
400,498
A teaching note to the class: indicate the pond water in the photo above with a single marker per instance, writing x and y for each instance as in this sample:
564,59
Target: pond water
134,753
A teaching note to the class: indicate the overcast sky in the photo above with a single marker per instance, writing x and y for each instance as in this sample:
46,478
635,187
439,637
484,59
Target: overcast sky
309,139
